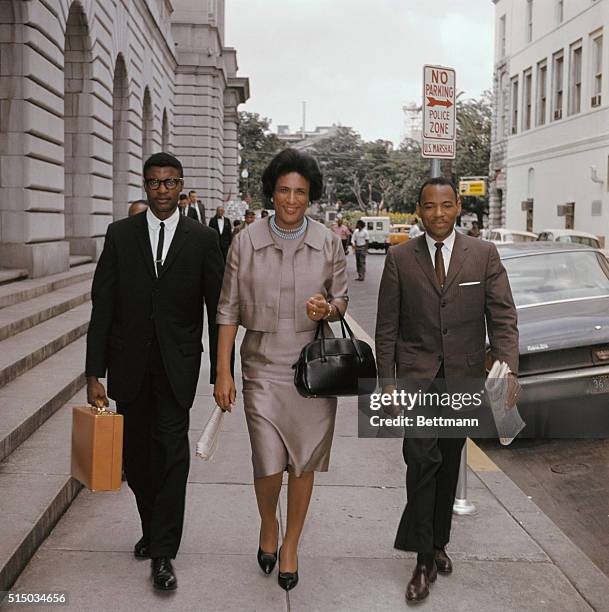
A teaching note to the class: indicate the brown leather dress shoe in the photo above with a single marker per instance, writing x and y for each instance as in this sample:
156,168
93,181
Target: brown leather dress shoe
443,562
422,577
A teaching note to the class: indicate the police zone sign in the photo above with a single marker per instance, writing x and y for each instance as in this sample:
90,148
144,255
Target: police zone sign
438,112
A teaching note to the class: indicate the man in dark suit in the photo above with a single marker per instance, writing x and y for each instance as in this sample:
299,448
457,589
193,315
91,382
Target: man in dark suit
154,274
439,295
195,208
222,225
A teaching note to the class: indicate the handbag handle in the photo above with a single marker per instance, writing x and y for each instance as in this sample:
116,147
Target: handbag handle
344,326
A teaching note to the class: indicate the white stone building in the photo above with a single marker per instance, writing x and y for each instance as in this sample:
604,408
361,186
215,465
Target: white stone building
550,153
88,90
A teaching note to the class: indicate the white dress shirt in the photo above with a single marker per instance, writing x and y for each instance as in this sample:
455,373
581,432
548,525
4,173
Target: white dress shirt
154,225
447,249
220,225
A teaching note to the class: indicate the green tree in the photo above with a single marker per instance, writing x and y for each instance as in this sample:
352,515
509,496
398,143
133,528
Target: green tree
473,152
258,146
337,157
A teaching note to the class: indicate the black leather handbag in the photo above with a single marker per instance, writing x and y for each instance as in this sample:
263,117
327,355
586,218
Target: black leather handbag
331,367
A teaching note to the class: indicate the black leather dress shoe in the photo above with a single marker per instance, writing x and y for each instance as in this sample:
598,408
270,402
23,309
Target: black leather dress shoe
140,550
163,574
443,562
422,577
287,580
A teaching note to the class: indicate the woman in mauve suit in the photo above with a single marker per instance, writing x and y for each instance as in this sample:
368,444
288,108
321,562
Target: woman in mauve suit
283,275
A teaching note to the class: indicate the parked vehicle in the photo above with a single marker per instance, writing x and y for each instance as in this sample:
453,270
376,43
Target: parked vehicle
503,235
378,230
572,237
398,233
561,291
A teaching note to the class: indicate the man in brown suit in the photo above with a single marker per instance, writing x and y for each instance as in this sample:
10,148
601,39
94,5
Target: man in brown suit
440,294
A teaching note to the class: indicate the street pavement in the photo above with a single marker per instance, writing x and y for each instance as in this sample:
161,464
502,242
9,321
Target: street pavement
508,556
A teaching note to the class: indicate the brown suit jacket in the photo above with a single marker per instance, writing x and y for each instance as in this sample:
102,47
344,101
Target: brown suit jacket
419,325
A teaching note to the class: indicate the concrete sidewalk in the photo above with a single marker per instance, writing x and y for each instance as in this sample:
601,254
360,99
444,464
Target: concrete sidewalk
508,557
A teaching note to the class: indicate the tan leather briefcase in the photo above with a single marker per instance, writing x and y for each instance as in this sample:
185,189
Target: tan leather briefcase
97,448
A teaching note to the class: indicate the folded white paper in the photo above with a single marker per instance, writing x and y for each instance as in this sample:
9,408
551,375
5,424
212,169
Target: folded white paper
208,442
507,420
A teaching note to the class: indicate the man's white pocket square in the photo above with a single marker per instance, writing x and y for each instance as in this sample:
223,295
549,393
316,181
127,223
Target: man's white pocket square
468,284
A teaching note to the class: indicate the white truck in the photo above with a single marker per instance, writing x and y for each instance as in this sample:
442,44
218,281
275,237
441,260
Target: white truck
378,230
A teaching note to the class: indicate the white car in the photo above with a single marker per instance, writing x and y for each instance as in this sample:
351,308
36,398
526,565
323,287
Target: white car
573,237
503,235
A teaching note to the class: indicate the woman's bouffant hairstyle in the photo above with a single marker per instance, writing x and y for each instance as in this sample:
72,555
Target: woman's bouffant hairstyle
291,160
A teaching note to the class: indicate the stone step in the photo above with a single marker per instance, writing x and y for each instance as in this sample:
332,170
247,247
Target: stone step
19,317
79,260
27,349
21,291
8,276
27,402
36,490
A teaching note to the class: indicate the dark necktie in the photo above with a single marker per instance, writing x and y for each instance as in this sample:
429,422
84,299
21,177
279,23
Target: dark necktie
439,263
159,250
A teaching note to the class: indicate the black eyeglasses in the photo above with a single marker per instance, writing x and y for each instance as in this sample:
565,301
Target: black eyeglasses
170,183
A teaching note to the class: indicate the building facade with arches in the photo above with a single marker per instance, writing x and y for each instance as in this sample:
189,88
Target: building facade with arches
550,141
88,90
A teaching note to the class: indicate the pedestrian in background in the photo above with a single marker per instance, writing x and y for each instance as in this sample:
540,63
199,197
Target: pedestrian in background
264,213
414,230
343,232
474,230
145,333
137,207
221,224
283,275
183,205
196,208
440,295
360,239
237,225
250,217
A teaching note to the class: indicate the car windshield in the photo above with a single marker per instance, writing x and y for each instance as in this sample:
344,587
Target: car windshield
552,277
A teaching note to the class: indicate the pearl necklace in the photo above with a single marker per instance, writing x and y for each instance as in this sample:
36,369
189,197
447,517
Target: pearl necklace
288,234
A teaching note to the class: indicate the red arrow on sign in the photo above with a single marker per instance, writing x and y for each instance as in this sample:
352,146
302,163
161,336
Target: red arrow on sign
435,102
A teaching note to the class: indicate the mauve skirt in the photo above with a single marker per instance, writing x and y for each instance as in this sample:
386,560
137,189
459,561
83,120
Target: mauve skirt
286,430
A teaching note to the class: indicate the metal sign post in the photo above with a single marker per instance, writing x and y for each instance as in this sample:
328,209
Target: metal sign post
462,505
439,140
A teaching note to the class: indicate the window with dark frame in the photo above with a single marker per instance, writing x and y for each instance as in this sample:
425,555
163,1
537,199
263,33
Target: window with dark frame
542,84
514,122
527,101
558,61
575,78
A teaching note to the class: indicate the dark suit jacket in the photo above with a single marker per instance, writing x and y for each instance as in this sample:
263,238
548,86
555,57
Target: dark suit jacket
419,326
227,233
131,305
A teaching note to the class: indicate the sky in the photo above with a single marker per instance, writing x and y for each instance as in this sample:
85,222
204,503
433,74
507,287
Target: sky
355,62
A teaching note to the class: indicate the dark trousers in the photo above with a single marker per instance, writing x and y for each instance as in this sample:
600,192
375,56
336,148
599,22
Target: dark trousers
431,484
360,261
157,458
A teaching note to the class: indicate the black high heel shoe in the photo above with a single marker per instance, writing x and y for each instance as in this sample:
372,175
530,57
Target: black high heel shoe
287,580
267,561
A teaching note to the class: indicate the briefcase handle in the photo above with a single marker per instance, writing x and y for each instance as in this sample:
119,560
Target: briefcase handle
320,335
